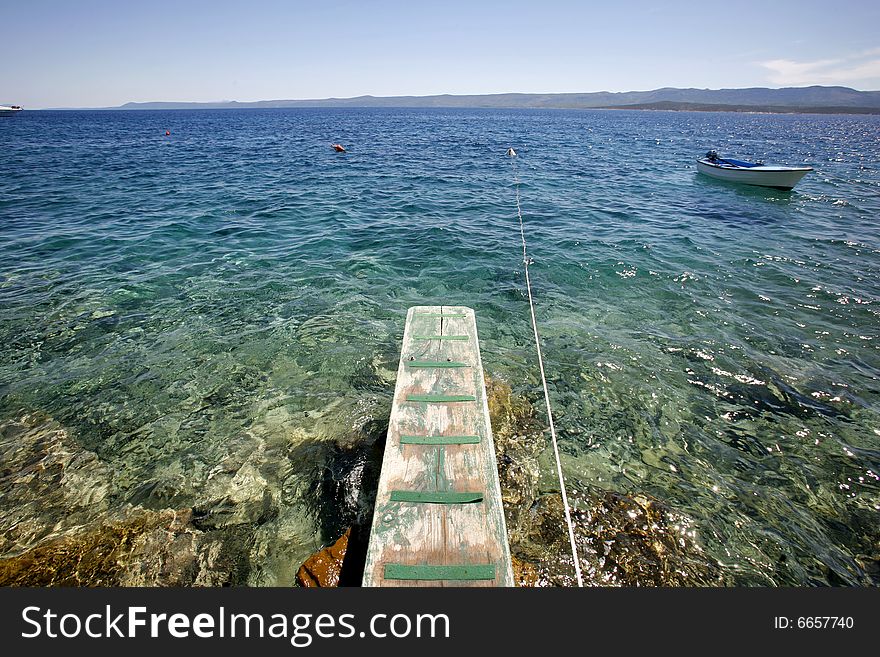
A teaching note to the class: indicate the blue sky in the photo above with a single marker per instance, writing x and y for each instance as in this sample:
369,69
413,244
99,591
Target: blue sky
91,53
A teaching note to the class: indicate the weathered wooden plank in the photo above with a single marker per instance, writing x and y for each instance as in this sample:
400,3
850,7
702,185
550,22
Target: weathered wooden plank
439,458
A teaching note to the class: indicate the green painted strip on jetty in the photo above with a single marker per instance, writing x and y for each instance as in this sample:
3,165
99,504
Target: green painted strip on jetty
435,497
441,337
439,440
440,399
429,572
436,363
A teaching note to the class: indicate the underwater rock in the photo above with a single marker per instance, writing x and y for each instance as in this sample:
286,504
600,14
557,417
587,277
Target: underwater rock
518,443
324,568
134,547
224,557
871,566
525,574
48,483
236,491
376,375
281,544
622,540
138,548
61,525
334,483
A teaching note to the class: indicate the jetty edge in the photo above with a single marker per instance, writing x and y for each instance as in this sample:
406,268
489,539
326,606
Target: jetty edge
438,518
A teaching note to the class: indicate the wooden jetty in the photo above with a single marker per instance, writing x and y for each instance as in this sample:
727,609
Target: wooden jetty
438,519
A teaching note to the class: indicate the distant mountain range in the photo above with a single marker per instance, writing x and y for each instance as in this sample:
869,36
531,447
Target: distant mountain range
791,99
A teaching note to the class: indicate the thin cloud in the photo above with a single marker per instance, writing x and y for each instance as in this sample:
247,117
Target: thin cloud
862,69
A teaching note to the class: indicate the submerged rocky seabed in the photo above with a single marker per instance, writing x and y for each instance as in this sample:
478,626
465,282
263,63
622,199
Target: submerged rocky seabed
64,524
622,540
67,520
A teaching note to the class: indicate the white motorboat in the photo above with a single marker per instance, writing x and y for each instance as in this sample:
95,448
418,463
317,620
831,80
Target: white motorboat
9,110
750,173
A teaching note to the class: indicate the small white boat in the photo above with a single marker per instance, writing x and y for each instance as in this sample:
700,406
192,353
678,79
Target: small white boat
750,173
9,110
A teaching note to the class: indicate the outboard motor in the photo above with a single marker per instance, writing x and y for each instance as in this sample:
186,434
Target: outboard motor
712,156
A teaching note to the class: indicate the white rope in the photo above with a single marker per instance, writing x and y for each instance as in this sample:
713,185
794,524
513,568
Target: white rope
522,232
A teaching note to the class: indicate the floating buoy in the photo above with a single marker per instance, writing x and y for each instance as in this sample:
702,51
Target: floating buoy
339,148
511,152
167,133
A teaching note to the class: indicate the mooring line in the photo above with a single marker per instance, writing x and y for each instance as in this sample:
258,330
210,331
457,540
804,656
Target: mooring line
522,232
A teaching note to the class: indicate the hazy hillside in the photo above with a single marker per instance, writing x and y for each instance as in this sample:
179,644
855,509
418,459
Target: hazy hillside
793,97
669,105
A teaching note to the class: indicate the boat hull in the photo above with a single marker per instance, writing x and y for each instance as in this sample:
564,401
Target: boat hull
762,176
9,111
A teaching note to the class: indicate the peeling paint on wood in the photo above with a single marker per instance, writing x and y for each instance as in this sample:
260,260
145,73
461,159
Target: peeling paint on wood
438,519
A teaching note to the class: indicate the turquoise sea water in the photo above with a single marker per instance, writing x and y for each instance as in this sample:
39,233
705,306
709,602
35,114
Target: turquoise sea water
217,314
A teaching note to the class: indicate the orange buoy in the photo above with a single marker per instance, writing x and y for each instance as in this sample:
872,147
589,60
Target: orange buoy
338,148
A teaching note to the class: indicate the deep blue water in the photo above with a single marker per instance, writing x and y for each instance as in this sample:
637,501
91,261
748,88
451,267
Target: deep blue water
236,292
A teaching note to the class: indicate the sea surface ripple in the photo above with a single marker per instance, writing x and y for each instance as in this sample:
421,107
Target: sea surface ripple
230,299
